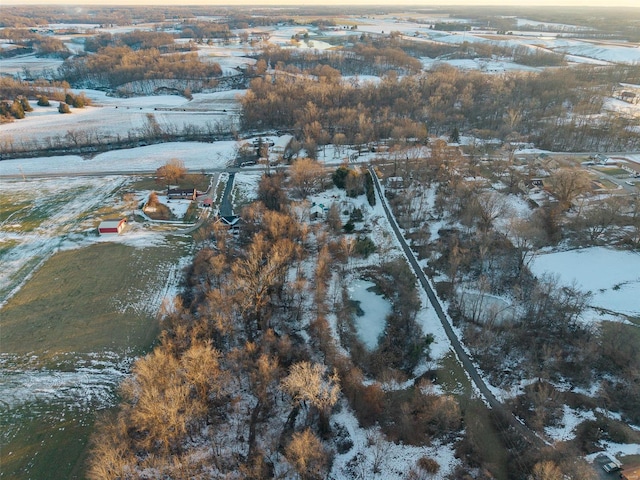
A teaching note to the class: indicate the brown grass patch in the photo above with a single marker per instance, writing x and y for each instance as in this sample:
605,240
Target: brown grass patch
80,301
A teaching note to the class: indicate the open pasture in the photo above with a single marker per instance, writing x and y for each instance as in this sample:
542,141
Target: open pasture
77,308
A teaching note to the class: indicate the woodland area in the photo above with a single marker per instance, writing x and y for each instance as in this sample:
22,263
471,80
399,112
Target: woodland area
251,367
554,109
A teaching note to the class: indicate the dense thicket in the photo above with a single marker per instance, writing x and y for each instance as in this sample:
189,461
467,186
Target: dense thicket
42,45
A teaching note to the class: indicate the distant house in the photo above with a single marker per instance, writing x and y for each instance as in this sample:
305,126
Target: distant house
182,193
107,227
316,211
233,222
599,158
395,182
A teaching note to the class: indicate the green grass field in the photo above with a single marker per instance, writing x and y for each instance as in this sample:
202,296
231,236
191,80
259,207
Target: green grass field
83,313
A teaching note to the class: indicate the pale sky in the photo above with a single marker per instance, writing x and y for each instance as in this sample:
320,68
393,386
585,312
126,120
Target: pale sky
413,3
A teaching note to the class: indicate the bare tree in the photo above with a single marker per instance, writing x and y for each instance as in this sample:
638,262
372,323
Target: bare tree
306,176
309,383
490,207
525,237
171,172
546,470
568,183
307,455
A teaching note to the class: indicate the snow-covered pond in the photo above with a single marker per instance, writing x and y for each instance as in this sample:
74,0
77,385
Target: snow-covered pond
612,276
370,322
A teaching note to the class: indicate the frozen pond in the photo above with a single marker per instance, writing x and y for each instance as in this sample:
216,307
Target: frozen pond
371,320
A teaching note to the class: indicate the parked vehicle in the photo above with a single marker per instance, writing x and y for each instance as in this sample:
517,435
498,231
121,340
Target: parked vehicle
611,467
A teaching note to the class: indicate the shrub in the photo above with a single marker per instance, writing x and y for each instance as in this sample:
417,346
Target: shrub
26,106
340,177
356,215
364,245
43,101
368,186
429,465
349,227
16,109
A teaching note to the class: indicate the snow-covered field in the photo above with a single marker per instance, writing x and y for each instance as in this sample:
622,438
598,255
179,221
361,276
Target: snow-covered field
612,276
51,212
115,118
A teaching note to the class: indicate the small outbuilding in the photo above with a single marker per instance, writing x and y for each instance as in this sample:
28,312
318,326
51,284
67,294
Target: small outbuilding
112,226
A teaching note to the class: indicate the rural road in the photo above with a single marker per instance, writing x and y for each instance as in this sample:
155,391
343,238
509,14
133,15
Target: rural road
463,357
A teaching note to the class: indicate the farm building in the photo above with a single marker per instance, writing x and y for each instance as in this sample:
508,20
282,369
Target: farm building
182,193
112,226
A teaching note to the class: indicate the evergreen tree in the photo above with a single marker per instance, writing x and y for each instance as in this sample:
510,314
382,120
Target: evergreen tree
455,136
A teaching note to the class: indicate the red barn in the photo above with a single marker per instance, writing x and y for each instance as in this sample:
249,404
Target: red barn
112,226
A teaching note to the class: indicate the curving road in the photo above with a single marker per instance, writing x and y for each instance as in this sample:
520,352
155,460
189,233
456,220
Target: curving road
463,357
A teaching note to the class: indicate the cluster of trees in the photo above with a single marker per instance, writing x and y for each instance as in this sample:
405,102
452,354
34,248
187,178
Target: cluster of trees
14,110
233,386
44,46
229,371
328,111
205,30
12,88
111,67
365,58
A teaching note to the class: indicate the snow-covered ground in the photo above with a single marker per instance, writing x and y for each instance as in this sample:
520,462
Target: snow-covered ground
195,155
393,460
612,276
114,118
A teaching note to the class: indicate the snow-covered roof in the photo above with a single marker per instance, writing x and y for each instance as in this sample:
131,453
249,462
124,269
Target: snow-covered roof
112,223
